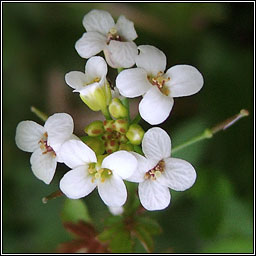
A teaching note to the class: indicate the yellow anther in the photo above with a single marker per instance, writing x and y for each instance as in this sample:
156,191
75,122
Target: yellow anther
97,79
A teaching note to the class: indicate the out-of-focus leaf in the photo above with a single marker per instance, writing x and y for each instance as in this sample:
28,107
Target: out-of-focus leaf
150,225
121,242
108,233
230,245
117,234
144,237
85,242
75,210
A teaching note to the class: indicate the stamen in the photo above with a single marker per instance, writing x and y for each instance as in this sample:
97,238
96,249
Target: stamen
45,147
156,171
159,80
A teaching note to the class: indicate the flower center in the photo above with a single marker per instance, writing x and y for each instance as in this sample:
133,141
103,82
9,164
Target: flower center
156,171
100,174
159,80
95,80
45,147
113,35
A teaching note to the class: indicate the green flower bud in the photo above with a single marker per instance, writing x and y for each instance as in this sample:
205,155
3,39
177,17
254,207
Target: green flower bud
96,144
108,125
121,126
94,129
117,109
98,97
111,146
135,134
127,147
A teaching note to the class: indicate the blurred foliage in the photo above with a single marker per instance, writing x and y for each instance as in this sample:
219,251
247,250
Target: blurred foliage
216,214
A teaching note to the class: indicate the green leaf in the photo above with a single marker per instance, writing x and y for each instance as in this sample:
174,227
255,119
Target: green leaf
150,225
144,237
230,245
121,242
119,238
75,210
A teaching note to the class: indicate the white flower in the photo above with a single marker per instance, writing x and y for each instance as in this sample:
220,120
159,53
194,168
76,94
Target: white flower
116,40
157,171
158,88
92,85
87,173
44,142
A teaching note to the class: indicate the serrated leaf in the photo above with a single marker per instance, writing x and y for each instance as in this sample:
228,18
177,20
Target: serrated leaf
74,210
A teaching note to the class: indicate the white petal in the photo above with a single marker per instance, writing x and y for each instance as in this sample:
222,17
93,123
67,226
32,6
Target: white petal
121,163
75,79
126,29
59,128
178,175
154,196
185,80
113,191
116,210
58,156
96,67
121,54
151,59
28,134
98,21
75,153
144,165
43,165
156,144
155,107
133,82
77,183
90,44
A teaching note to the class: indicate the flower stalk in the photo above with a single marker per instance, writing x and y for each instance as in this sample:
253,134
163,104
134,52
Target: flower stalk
208,133
39,113
53,195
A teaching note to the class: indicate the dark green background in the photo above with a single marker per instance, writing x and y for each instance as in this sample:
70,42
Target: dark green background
216,214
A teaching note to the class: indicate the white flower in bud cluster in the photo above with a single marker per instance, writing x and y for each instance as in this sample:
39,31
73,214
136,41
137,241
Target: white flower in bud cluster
92,85
157,88
115,39
88,172
157,171
44,142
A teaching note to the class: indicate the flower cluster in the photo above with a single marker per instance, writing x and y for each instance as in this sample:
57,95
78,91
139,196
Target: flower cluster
116,149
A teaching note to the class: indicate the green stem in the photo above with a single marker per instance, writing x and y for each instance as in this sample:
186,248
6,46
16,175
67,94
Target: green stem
119,70
127,106
39,113
53,195
106,113
208,133
136,119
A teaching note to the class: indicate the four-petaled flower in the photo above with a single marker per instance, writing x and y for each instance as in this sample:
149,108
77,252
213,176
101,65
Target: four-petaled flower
157,171
157,88
116,40
44,142
88,172
92,85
